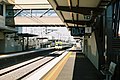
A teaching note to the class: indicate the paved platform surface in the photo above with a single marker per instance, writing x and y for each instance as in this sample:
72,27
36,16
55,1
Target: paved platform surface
78,67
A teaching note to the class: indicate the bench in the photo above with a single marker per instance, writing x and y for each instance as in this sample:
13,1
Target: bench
109,73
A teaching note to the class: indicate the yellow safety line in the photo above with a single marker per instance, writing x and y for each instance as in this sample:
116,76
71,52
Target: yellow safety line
53,74
72,55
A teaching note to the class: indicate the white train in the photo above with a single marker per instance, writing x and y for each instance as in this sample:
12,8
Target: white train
60,45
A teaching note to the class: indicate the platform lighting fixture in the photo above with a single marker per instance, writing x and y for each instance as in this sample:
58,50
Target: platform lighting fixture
88,17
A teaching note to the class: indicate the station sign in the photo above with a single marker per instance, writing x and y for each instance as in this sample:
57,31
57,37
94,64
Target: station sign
88,30
80,31
77,31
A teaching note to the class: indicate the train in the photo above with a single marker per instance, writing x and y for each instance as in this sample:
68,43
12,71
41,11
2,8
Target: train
59,45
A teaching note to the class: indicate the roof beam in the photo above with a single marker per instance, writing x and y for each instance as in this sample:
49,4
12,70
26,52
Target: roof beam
45,13
104,3
69,3
79,22
80,10
18,12
60,11
77,15
70,6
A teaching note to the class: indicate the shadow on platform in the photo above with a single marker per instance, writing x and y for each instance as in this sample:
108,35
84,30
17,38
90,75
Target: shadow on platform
84,69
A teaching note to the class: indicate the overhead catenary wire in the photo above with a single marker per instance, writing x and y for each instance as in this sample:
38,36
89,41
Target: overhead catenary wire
33,17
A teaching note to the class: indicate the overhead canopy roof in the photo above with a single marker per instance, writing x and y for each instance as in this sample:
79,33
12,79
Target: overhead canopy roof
23,5
28,4
26,35
8,30
79,12
43,38
37,21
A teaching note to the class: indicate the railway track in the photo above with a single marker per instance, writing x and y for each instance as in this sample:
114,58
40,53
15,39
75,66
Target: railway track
27,68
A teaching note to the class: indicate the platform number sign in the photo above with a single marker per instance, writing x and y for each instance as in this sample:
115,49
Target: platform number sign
77,31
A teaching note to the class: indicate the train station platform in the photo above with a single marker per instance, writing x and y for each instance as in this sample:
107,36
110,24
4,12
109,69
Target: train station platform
74,66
